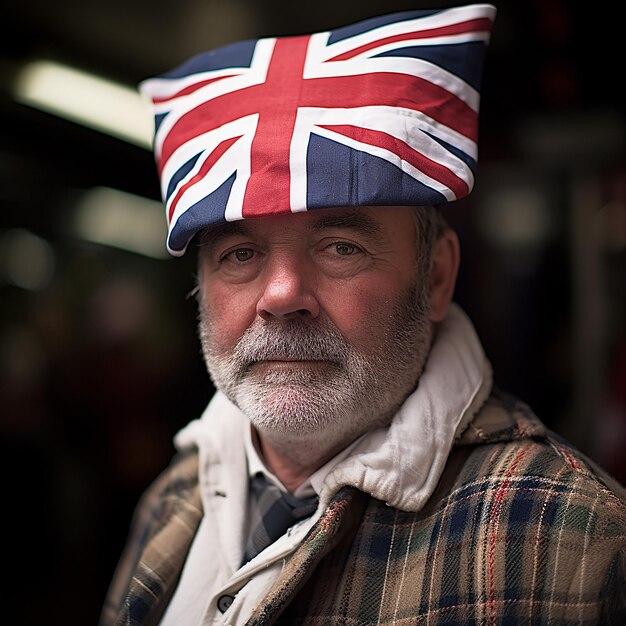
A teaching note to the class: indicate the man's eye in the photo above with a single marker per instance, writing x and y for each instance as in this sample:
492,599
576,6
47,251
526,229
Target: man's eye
346,249
241,255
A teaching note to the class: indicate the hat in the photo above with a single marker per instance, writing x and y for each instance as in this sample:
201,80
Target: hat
382,112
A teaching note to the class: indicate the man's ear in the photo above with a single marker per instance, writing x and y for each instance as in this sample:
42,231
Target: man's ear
446,255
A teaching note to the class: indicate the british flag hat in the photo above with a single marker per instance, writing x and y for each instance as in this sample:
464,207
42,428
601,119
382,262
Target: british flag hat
383,112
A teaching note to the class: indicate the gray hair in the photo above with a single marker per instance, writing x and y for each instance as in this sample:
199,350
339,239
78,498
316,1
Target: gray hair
429,226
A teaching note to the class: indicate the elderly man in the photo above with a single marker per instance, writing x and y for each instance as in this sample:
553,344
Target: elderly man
355,466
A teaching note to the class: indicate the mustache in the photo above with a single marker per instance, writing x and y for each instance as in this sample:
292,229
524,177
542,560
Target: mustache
295,340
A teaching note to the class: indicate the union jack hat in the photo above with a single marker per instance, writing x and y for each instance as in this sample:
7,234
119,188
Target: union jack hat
383,112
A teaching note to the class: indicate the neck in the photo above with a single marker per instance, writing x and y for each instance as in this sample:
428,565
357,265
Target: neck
293,462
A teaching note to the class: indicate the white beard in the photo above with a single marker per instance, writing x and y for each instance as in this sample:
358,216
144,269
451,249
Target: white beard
329,404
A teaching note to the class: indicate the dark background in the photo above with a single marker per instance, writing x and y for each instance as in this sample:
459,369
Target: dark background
99,362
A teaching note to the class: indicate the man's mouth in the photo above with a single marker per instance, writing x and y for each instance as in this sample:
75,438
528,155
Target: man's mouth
290,359
290,363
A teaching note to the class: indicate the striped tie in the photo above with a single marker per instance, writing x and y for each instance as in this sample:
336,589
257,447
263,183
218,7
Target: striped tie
273,512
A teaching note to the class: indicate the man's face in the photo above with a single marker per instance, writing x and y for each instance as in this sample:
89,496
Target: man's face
315,324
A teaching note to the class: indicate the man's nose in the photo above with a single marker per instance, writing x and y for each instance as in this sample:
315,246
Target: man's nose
288,290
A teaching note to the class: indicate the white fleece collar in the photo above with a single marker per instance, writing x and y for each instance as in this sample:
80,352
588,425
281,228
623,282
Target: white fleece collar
400,464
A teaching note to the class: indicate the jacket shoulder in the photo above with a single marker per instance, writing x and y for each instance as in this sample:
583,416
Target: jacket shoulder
173,495
551,521
506,439
523,527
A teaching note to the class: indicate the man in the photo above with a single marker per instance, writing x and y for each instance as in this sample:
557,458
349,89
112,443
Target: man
354,400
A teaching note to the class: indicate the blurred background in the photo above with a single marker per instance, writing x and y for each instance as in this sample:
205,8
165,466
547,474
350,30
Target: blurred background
99,361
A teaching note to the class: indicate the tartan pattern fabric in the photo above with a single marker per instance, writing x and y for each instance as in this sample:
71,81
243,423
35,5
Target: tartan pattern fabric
521,529
527,534
164,525
273,512
534,561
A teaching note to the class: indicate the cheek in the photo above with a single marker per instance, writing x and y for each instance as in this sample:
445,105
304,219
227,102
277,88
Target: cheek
362,314
229,313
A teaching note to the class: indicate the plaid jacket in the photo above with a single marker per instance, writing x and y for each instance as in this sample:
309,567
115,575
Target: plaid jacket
522,529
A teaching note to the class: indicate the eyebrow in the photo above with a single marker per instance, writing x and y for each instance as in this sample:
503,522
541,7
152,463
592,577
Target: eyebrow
209,236
354,219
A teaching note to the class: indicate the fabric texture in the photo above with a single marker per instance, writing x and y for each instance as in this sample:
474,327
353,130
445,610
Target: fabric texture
521,528
383,112
273,512
165,522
